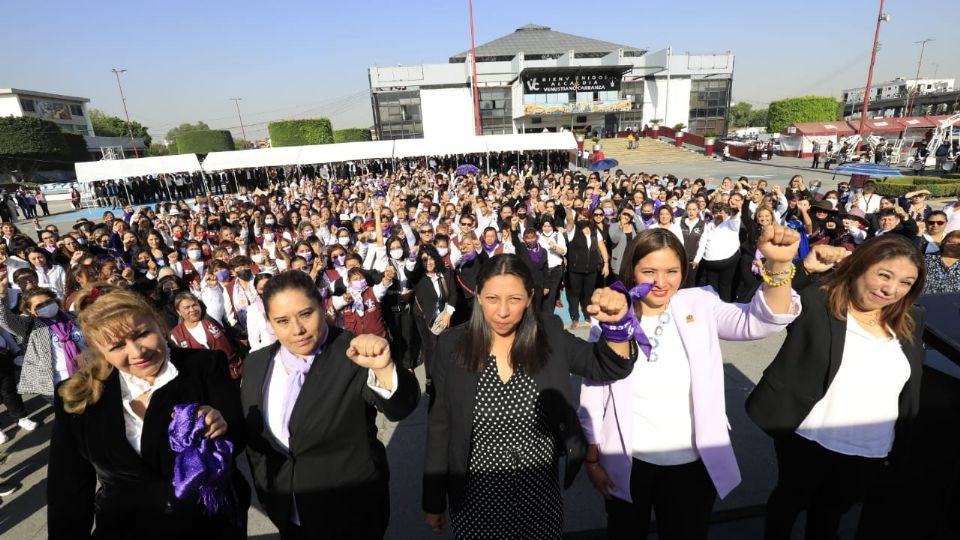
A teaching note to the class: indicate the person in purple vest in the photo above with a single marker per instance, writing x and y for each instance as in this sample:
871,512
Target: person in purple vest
658,438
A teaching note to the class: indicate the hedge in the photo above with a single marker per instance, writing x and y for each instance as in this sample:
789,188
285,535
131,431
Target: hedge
351,135
204,142
897,186
300,132
786,112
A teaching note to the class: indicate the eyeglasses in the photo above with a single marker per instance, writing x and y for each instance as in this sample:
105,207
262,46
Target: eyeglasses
467,224
598,214
937,222
627,214
426,231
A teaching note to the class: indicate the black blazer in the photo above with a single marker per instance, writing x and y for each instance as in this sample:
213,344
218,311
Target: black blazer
334,453
135,499
537,270
425,296
450,425
808,361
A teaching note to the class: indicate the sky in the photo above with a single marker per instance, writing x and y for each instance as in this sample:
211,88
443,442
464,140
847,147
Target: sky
303,59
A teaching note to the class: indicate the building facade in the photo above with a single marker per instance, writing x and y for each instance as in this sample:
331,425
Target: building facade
68,112
537,79
892,98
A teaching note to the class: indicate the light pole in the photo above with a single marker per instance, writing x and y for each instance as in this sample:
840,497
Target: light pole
133,141
881,17
916,80
476,90
236,101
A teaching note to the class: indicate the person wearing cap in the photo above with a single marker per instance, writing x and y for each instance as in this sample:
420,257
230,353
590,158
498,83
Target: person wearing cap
856,227
824,228
915,204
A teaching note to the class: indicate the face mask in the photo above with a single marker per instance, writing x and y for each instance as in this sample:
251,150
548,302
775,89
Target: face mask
161,262
443,251
257,258
268,237
646,216
222,275
372,236
307,234
48,311
307,255
82,241
582,223
339,260
287,249
358,286
305,270
532,244
833,202
343,240
607,211
469,256
229,250
245,275
268,222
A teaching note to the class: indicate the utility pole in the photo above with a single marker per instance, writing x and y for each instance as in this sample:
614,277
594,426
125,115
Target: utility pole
236,101
133,141
881,17
476,91
916,80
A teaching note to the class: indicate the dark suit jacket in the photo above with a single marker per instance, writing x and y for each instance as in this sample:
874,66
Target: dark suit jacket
334,453
808,361
538,270
425,295
450,426
135,499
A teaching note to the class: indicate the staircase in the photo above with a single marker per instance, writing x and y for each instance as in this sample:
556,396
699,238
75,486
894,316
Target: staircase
650,152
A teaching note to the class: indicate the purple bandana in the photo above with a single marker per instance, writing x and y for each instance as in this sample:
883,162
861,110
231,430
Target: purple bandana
490,249
536,254
202,467
629,327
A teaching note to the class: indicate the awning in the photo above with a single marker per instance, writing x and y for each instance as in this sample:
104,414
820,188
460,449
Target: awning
404,148
351,151
840,128
112,169
260,157
531,142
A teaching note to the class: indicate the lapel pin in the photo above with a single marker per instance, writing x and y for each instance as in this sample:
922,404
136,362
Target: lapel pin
689,318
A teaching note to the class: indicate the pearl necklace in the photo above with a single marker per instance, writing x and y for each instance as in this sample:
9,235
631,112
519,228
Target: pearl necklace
663,319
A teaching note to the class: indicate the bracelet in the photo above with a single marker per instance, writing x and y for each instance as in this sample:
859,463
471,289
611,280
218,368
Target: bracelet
771,282
781,273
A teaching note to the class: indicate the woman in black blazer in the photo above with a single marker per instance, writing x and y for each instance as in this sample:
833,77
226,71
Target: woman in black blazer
429,276
493,446
311,402
106,433
840,396
535,257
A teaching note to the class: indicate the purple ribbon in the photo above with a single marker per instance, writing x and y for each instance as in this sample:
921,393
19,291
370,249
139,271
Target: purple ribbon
628,327
203,467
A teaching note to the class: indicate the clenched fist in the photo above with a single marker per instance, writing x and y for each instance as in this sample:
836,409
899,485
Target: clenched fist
370,351
608,305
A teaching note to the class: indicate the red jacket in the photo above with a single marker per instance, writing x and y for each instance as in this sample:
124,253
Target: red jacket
368,322
216,339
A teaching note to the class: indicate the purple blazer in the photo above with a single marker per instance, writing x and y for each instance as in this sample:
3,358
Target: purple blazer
703,320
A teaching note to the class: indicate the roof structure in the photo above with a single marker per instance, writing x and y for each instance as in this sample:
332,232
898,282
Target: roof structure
21,92
534,39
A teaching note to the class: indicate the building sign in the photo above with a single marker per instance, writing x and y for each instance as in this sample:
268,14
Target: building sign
551,83
50,110
544,109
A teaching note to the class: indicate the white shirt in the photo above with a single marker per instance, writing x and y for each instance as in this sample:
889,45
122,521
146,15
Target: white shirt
719,242
662,402
132,387
199,334
554,259
857,414
672,227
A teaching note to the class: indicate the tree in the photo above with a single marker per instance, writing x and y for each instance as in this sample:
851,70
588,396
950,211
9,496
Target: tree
300,132
75,148
105,125
739,114
157,149
757,118
184,128
204,142
242,144
786,112
28,143
351,135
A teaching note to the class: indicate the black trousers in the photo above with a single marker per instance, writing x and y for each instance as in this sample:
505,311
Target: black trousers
580,287
551,282
9,377
428,340
681,496
824,483
404,336
721,275
352,514
816,160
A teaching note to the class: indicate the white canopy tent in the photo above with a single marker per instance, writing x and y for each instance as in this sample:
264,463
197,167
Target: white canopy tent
350,151
405,148
259,157
114,169
530,142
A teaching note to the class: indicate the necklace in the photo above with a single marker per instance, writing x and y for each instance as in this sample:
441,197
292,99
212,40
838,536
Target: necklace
663,319
869,322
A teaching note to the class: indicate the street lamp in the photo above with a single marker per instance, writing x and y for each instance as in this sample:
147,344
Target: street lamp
236,101
881,17
133,141
916,80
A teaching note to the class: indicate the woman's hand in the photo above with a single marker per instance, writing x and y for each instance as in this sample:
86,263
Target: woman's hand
608,305
437,522
823,257
216,425
606,269
600,480
369,351
778,244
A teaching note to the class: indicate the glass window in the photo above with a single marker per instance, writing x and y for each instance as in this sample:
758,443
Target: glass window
76,110
27,105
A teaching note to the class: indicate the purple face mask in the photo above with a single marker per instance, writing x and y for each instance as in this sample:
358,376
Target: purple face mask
222,275
339,260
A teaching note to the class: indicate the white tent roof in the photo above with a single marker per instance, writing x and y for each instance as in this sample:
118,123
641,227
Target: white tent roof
259,157
530,142
351,151
439,147
90,171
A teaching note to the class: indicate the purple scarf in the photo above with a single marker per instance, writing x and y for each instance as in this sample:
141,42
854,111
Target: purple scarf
536,254
298,368
202,467
636,294
62,327
490,249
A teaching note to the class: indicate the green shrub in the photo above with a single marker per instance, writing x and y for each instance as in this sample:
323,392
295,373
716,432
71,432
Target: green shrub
351,135
300,132
786,112
204,142
76,147
897,186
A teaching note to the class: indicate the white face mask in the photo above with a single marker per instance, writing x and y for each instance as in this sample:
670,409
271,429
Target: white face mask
372,236
396,253
443,251
268,222
193,253
343,240
257,258
268,237
48,311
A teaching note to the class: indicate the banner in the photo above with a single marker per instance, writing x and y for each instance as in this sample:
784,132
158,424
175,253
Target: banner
50,110
582,107
556,82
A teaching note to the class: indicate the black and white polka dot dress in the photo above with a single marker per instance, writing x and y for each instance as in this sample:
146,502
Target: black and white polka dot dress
513,487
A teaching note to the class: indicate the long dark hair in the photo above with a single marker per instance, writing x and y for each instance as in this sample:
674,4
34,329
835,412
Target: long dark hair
530,345
838,285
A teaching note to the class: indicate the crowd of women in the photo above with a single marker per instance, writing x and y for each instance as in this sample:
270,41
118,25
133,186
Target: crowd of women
289,317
